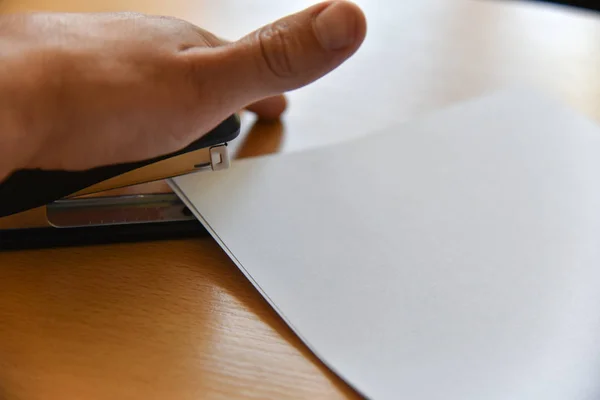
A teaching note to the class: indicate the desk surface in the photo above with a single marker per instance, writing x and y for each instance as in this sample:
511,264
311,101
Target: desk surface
176,319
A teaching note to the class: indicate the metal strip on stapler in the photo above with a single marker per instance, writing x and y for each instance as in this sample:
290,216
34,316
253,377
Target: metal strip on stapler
135,209
28,189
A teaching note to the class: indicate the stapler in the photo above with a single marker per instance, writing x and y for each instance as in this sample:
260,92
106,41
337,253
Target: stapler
79,207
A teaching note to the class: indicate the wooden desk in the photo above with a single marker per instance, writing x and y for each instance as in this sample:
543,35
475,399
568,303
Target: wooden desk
176,320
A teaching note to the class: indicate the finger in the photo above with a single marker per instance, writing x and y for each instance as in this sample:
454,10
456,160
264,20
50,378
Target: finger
284,55
212,40
269,108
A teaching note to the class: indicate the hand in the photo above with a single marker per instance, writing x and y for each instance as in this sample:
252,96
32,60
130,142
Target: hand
84,90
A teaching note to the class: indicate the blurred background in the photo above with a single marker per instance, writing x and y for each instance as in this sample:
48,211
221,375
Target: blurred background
419,56
581,4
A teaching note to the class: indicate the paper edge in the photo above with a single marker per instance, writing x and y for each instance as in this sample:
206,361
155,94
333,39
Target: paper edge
223,246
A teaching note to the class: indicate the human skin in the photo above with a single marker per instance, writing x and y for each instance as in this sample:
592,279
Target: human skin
84,90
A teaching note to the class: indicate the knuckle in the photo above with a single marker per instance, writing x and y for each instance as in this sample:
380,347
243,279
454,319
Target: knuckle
209,39
189,34
277,45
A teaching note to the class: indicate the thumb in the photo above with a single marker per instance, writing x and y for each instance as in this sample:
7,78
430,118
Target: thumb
289,53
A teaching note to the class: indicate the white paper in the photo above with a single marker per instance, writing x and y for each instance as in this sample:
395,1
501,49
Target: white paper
453,257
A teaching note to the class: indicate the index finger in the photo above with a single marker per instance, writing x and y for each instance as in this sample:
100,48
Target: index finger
269,108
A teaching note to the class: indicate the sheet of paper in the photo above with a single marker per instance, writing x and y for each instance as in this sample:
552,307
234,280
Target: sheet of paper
456,256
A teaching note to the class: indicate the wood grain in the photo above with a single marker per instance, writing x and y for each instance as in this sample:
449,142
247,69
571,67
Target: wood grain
176,320
127,322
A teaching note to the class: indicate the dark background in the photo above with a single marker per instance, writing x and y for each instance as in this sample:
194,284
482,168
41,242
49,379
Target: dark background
584,4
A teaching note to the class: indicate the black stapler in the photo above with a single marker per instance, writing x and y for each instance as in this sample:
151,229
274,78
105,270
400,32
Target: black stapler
76,214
